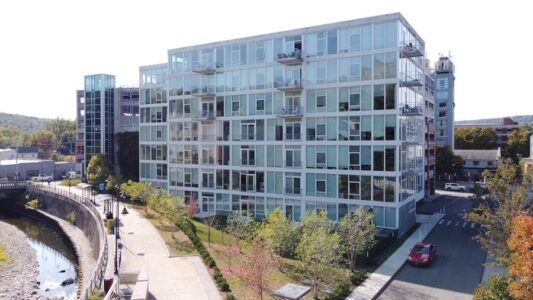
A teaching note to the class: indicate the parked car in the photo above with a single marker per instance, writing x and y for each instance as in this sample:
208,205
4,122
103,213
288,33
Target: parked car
70,174
452,186
422,254
42,177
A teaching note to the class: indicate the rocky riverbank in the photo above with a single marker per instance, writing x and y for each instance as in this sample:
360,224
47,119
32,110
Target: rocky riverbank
18,278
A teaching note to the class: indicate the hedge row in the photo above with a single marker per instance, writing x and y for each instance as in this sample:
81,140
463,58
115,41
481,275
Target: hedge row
190,230
340,292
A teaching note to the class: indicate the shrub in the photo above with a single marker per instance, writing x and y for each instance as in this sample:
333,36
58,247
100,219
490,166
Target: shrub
230,297
71,218
96,295
4,257
189,230
340,292
497,288
357,277
33,203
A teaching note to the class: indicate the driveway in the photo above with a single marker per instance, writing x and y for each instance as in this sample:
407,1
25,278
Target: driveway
458,268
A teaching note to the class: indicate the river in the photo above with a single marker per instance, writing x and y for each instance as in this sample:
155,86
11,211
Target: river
57,261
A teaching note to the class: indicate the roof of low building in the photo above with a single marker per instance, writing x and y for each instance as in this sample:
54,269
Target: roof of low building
478,154
27,150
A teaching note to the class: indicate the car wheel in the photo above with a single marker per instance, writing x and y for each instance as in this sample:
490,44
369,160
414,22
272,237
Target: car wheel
461,190
448,189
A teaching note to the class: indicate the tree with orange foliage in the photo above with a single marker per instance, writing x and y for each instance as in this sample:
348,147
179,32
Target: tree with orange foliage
521,266
258,261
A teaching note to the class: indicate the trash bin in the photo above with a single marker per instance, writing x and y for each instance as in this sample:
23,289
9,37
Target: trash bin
108,282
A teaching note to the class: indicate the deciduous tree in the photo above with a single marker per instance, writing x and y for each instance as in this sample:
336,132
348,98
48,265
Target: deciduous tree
447,164
358,233
279,234
518,143
521,267
141,191
475,138
318,250
98,169
258,262
507,199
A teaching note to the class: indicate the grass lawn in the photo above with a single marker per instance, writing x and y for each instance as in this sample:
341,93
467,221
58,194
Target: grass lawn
179,244
71,182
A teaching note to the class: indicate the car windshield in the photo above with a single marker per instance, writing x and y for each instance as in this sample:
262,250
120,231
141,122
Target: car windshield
420,250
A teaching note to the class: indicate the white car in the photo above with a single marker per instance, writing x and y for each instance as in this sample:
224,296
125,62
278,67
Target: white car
452,186
42,177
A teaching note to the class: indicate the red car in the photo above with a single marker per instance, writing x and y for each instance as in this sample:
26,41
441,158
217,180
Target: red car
422,254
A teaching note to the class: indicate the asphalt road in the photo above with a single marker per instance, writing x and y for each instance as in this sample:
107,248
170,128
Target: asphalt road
458,268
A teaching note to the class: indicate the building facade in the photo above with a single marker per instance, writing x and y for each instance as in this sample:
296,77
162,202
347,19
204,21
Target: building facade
325,118
429,138
475,162
444,76
103,111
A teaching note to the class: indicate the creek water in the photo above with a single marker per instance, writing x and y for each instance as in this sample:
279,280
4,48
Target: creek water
57,261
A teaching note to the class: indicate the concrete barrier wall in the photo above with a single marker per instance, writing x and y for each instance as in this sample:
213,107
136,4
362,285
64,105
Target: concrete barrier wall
60,206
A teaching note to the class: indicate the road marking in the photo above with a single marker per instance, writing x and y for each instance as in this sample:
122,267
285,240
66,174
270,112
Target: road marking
441,221
457,223
449,222
464,224
473,225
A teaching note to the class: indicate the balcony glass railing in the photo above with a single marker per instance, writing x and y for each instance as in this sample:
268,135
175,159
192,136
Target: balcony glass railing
290,58
290,111
289,85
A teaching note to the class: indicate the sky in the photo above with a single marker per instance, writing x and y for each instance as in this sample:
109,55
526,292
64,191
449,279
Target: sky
46,47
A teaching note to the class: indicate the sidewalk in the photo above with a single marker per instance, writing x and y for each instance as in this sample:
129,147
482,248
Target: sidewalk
376,281
143,248
490,270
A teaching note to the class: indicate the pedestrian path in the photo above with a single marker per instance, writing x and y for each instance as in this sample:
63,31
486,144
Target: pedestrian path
143,248
376,281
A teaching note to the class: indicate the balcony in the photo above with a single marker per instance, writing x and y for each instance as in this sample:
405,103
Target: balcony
408,110
291,59
410,49
205,116
410,81
204,69
204,92
290,112
289,85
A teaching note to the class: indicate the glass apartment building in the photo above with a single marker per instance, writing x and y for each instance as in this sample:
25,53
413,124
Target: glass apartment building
99,116
325,118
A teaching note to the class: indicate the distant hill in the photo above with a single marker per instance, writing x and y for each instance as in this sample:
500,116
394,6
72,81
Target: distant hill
22,123
525,119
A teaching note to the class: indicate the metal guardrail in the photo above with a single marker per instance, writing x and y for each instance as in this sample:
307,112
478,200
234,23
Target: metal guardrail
97,276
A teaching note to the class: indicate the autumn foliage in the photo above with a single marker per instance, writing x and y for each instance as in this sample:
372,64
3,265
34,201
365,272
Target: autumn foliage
521,247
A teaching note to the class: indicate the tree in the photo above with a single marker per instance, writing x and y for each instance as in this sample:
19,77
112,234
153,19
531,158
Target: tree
98,169
496,289
358,234
60,126
521,267
475,138
111,182
141,191
518,143
447,164
508,198
318,250
257,263
241,225
45,142
278,233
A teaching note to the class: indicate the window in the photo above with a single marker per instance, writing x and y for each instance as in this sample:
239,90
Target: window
442,104
442,95
248,130
321,184
442,114
260,105
349,187
379,97
292,131
320,132
292,156
476,162
292,183
442,83
379,159
208,179
321,101
248,155
320,159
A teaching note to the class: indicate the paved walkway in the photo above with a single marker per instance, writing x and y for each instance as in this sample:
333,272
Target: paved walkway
376,281
169,278
490,270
